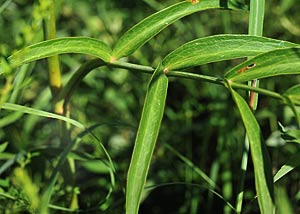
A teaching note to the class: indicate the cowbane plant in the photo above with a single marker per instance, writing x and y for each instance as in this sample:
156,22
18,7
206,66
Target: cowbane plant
264,58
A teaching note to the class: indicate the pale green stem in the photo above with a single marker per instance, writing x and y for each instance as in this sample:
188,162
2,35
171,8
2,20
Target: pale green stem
66,93
55,78
256,22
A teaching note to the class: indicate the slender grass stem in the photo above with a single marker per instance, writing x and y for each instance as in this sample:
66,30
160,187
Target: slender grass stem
256,17
256,21
244,165
55,81
55,78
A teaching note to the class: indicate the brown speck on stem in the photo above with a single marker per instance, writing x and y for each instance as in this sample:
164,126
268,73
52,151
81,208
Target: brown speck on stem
193,1
230,82
112,59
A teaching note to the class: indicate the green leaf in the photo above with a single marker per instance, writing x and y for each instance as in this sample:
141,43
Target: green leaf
28,110
218,48
293,93
292,136
283,201
10,118
96,166
83,45
145,140
277,62
3,147
142,32
292,98
291,164
261,161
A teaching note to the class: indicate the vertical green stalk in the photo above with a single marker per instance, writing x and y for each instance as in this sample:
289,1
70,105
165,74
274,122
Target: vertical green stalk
244,164
256,20
55,82
55,79
256,17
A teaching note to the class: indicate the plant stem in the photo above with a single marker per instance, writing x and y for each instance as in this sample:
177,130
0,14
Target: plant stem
256,17
256,21
66,93
194,76
131,66
55,79
257,90
244,163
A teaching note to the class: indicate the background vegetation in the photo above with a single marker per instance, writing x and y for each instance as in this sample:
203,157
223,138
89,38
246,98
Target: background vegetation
201,129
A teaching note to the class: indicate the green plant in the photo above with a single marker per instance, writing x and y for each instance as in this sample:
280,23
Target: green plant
266,58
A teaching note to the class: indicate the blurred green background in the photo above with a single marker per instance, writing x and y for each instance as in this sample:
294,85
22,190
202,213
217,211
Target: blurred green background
200,120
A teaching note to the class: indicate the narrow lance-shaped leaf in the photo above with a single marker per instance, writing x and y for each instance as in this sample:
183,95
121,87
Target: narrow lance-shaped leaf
83,45
277,62
145,140
261,161
218,48
292,98
139,34
291,164
294,93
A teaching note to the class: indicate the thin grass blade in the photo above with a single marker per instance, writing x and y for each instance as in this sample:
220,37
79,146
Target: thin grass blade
209,182
32,111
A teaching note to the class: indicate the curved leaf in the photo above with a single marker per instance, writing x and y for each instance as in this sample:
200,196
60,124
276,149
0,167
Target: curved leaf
261,161
139,34
218,48
277,62
145,140
293,93
291,164
52,47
